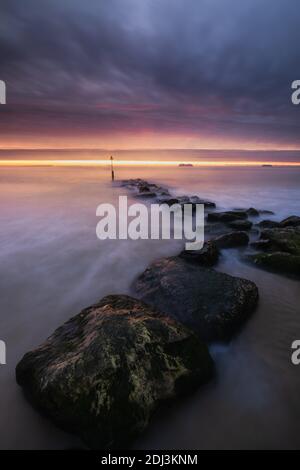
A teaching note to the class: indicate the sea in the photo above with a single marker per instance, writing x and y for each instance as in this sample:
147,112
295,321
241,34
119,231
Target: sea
52,265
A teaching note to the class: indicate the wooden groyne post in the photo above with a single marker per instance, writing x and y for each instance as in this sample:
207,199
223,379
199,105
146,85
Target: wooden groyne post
112,168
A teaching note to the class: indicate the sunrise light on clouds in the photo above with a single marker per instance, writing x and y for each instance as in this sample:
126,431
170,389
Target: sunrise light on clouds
149,76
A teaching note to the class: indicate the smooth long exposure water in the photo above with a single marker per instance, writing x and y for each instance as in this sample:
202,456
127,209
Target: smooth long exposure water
52,265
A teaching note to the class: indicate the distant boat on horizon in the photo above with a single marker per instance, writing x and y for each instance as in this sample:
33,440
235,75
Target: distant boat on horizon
267,165
183,165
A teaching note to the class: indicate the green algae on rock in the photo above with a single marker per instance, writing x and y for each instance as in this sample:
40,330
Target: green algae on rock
281,250
104,372
283,263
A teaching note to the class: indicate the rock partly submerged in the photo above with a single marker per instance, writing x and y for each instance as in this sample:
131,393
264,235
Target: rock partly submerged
232,240
281,250
240,225
182,200
103,373
212,303
268,224
283,239
207,256
237,219
226,217
280,262
252,212
144,189
292,221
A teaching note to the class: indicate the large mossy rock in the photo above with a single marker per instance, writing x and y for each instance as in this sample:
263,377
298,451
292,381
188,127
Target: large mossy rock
103,373
212,303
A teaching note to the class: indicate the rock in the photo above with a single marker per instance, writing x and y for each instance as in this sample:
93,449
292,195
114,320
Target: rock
212,303
252,212
261,244
283,239
292,221
207,204
283,250
266,212
144,188
194,200
146,195
184,200
103,373
283,263
207,256
217,229
133,182
168,200
240,224
268,224
158,190
150,190
232,240
162,192
226,217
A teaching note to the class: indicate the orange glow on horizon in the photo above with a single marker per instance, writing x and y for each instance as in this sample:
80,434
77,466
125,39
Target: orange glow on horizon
142,140
67,163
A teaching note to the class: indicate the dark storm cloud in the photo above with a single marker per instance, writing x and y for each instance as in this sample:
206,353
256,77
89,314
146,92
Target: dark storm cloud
215,66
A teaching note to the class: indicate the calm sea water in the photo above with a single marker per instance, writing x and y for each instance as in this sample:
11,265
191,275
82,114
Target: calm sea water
52,265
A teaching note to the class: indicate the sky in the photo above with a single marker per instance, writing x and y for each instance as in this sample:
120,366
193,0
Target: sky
150,74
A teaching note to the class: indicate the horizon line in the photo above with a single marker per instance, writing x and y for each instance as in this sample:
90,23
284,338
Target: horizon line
149,149
90,163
